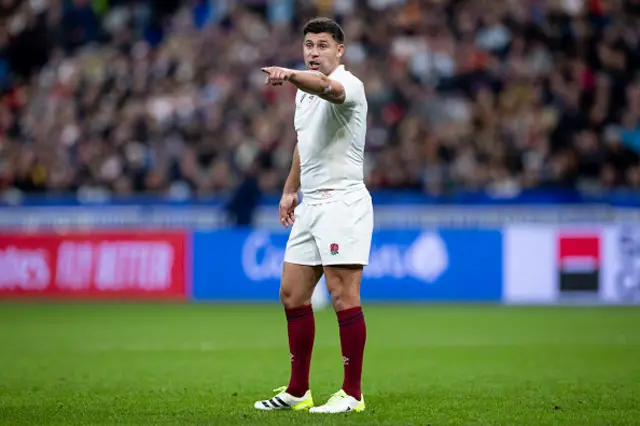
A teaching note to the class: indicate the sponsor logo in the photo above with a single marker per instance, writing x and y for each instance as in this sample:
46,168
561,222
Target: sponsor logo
115,265
261,260
425,258
579,262
627,279
22,269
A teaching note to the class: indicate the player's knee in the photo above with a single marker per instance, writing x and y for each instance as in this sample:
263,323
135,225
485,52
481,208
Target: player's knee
342,298
292,299
286,297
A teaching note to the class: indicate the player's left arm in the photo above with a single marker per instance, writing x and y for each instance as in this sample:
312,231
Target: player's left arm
312,82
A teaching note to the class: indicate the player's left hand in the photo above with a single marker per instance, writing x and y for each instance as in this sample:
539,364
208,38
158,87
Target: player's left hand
276,75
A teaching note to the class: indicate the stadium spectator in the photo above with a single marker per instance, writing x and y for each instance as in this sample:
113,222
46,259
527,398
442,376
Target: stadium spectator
102,97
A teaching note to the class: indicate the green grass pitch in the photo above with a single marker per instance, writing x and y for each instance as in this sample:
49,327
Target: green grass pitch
205,364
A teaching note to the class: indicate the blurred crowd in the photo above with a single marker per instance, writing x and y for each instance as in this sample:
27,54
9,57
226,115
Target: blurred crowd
167,97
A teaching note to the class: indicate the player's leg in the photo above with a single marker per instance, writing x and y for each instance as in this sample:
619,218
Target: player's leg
296,289
343,282
346,254
298,283
300,274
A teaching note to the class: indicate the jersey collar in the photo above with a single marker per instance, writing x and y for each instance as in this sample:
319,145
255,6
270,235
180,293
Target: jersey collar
338,69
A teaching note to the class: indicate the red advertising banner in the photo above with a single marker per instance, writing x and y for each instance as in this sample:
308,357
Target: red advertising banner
95,265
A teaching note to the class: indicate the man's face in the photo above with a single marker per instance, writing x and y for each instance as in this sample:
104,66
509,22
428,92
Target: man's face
322,52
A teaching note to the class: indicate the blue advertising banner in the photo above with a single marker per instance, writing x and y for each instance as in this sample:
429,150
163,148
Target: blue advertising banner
405,265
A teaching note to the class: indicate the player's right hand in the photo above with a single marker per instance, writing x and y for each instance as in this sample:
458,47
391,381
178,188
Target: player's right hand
277,75
288,203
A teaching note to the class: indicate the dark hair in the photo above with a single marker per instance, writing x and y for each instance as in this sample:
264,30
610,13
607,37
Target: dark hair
324,25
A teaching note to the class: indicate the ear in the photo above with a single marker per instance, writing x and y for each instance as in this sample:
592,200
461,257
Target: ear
340,50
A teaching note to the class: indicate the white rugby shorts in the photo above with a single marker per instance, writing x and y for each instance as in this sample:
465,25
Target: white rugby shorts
336,232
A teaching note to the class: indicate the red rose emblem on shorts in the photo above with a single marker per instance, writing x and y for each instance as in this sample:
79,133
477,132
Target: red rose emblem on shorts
334,248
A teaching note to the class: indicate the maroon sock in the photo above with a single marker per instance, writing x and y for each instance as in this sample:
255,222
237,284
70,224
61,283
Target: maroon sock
302,330
353,334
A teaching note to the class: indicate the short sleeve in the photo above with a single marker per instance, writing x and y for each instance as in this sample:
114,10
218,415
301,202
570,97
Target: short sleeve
353,89
297,100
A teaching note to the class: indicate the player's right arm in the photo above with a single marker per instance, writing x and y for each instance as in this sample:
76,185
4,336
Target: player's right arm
289,199
292,185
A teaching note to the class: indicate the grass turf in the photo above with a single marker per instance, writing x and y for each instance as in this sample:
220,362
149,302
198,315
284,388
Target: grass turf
203,364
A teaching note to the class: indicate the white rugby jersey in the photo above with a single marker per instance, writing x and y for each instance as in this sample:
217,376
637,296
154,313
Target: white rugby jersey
331,140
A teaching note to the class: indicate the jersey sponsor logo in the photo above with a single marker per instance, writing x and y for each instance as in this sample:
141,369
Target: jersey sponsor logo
304,95
326,194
